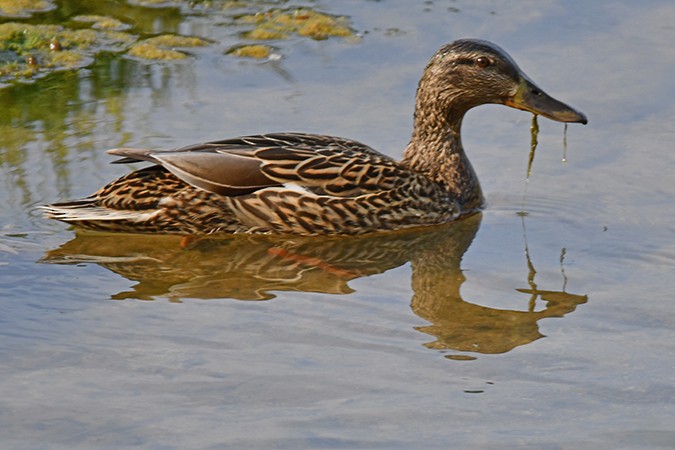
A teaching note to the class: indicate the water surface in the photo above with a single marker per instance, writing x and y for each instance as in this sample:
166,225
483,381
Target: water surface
549,329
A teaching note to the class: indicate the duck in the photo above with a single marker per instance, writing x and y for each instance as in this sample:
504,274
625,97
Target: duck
293,183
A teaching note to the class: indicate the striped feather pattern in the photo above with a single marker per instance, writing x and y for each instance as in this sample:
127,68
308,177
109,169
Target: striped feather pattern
294,183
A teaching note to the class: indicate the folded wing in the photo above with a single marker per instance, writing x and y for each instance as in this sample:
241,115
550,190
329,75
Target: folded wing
322,165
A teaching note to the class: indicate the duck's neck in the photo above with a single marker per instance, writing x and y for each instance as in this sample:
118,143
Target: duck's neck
435,148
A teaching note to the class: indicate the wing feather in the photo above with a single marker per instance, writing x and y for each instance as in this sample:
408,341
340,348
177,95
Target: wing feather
324,165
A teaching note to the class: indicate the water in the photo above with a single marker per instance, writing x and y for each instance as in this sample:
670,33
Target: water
550,329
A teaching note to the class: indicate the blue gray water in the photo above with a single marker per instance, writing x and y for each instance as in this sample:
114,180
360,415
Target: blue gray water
550,329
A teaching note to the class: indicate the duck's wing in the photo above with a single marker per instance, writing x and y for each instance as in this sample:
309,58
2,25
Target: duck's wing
225,167
322,165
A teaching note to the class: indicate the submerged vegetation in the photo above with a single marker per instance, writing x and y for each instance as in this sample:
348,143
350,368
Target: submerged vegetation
24,8
258,51
102,22
281,23
30,49
163,47
534,141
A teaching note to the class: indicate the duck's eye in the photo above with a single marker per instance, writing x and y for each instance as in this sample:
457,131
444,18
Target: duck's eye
483,62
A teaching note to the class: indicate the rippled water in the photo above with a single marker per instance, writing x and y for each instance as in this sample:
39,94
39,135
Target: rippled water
545,322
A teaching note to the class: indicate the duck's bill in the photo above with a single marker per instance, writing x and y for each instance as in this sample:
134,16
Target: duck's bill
529,97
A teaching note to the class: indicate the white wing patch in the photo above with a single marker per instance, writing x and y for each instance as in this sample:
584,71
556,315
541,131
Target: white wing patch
297,188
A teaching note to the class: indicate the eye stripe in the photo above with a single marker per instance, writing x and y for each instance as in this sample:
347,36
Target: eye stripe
465,61
481,61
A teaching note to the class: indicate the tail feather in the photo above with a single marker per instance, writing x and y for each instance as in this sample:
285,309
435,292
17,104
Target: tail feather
89,210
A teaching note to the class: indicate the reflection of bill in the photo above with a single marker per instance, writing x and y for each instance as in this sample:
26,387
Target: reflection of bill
464,326
253,267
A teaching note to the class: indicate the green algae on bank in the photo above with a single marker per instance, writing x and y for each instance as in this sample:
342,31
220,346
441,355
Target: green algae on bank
24,8
163,47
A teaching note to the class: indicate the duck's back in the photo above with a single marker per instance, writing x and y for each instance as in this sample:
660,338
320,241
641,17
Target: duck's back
280,183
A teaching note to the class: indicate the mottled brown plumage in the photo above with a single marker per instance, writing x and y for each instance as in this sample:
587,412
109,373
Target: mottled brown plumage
293,183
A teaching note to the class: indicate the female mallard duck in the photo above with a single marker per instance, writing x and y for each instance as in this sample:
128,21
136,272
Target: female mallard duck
293,183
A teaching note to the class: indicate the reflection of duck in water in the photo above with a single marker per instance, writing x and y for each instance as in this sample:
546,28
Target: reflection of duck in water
250,267
294,183
465,326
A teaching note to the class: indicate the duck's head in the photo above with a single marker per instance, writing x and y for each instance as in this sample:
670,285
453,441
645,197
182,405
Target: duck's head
471,72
